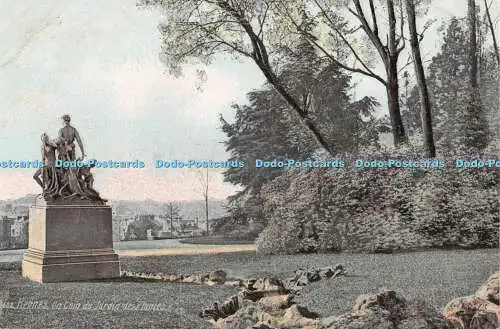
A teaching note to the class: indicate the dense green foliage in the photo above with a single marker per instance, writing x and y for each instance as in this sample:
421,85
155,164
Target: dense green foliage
381,210
264,130
137,230
307,51
327,210
448,84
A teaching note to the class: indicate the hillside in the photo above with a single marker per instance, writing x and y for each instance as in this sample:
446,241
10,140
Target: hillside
189,209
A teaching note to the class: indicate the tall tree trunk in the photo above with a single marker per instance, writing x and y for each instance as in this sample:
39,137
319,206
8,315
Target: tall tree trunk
171,221
476,127
492,29
391,66
206,213
425,105
392,89
261,58
389,53
206,203
471,19
304,118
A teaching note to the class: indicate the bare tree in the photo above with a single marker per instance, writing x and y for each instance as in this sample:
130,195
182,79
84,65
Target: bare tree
173,213
203,179
492,29
425,105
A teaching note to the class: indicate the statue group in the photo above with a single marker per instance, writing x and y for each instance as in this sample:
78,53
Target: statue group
60,182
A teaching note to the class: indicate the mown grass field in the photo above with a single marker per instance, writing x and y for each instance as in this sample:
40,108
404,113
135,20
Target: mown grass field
435,276
216,240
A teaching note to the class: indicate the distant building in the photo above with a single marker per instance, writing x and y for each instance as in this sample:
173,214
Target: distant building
5,229
116,228
145,217
13,229
149,234
202,224
18,227
143,227
167,226
120,226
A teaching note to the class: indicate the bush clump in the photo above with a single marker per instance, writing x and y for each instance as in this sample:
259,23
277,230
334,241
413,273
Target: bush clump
380,210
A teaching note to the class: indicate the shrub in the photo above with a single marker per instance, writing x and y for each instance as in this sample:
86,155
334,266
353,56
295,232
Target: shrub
380,210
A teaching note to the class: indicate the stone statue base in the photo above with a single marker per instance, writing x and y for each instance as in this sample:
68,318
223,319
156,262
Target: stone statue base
70,242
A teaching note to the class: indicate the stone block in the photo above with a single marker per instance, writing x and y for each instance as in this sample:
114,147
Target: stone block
70,242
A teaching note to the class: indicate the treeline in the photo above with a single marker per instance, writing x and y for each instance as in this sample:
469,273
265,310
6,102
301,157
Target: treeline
308,52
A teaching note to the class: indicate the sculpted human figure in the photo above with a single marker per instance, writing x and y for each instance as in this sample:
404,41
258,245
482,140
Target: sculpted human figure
65,182
49,181
86,176
67,135
86,180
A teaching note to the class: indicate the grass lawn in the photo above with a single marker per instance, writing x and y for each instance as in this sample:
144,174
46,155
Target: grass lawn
216,240
435,276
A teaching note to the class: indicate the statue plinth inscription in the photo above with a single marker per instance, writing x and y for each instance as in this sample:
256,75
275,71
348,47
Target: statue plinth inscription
70,236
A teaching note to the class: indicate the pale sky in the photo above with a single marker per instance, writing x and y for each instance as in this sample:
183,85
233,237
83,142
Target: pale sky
98,61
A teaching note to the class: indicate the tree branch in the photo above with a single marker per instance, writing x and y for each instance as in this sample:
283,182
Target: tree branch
261,58
373,37
344,39
312,39
374,18
492,29
401,36
261,22
226,43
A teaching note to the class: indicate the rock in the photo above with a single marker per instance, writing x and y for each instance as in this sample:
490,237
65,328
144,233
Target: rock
268,284
304,277
264,308
328,321
259,294
302,281
385,299
326,272
338,270
246,317
472,312
276,303
298,316
292,317
301,278
234,283
420,315
262,326
313,276
490,291
386,310
226,309
249,284
361,321
191,279
218,276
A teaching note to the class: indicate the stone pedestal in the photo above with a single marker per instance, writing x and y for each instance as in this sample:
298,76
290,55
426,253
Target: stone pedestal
70,241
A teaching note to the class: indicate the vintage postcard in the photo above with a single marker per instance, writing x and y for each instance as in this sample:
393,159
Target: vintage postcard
250,164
